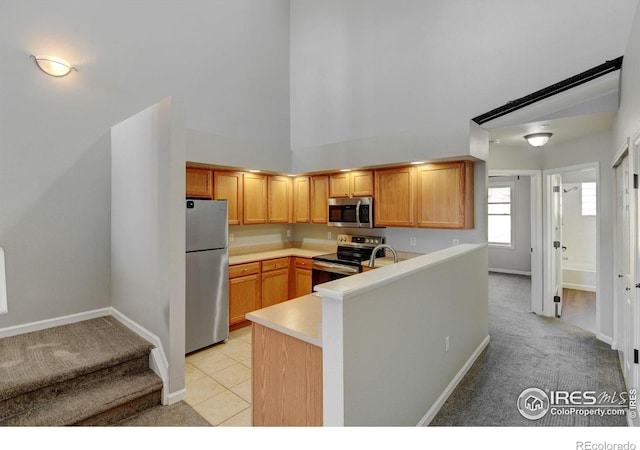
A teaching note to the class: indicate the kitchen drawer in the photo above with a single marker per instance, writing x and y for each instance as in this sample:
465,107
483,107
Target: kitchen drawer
303,263
273,264
240,270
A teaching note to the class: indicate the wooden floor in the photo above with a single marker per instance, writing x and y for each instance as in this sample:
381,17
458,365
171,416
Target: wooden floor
579,308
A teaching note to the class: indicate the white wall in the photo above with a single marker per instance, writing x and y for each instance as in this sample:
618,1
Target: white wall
578,231
228,61
376,81
148,227
517,258
628,120
384,358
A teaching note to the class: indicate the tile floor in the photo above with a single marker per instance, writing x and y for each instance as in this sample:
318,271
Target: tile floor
218,381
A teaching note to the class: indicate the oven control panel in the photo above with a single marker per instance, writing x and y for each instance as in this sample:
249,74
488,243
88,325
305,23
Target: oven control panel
368,241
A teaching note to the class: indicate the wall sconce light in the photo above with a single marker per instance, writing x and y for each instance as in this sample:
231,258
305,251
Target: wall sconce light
51,65
538,139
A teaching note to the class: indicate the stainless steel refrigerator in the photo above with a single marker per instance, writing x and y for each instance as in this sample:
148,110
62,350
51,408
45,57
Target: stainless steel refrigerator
207,279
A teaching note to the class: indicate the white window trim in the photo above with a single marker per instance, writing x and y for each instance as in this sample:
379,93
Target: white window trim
511,185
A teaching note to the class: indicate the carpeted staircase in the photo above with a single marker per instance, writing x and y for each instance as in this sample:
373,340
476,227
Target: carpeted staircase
94,372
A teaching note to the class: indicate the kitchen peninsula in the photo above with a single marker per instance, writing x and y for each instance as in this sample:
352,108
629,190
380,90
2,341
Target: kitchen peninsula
384,347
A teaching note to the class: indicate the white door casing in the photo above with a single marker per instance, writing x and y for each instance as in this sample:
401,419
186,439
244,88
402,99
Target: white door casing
556,244
537,299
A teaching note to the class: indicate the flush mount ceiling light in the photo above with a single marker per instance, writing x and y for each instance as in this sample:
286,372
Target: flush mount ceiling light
54,66
538,139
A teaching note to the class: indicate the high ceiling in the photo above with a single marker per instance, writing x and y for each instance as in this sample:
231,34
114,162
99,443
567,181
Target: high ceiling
270,71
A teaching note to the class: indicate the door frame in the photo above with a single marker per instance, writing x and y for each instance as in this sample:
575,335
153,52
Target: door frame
549,307
624,150
535,177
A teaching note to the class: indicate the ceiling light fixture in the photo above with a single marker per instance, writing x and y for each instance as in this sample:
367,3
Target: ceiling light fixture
54,66
538,139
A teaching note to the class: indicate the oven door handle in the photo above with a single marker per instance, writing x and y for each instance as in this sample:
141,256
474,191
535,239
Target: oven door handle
335,268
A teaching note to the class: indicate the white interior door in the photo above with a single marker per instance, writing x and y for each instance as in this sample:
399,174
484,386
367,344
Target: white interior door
623,263
556,240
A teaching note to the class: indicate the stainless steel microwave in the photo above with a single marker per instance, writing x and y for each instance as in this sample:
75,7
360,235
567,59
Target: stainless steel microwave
356,212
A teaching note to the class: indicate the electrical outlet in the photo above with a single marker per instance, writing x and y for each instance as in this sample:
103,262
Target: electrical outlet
288,233
231,237
456,242
446,344
412,241
329,234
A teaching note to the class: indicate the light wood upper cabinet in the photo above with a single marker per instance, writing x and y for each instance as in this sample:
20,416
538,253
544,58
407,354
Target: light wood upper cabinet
301,200
351,184
394,197
445,195
199,183
278,203
254,199
228,186
319,198
361,183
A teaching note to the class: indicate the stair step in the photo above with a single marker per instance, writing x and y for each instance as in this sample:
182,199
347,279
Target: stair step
94,372
101,404
35,360
33,399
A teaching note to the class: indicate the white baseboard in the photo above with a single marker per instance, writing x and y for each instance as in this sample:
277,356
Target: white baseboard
511,272
579,287
157,359
55,322
177,396
431,413
606,339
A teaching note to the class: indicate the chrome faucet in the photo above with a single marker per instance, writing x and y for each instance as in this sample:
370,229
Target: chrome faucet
372,260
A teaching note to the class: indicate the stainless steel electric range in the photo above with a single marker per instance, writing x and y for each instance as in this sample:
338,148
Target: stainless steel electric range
351,251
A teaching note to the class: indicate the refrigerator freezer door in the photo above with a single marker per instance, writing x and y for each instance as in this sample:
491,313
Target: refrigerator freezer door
207,226
207,299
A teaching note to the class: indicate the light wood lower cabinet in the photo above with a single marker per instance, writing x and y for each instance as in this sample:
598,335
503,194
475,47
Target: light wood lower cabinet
302,277
287,380
244,292
275,281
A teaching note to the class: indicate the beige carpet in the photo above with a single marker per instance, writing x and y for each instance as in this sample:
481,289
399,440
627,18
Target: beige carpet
177,415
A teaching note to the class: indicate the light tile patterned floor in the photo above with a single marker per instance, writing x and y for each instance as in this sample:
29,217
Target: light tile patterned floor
218,381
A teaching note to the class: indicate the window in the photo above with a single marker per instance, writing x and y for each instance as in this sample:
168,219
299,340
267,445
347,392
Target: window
589,199
500,214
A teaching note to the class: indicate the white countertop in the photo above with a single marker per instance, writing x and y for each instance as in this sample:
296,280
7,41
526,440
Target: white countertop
342,288
281,253
300,318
